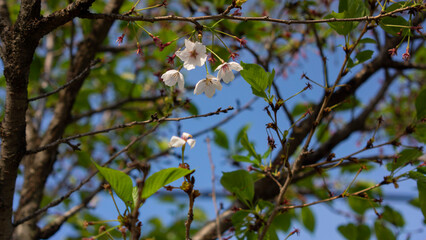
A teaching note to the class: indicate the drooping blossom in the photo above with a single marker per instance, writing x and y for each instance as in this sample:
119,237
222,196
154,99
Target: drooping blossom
406,55
225,71
208,86
180,141
193,55
172,77
120,39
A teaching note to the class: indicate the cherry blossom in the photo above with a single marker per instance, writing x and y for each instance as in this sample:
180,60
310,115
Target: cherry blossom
172,77
193,55
225,71
180,141
208,86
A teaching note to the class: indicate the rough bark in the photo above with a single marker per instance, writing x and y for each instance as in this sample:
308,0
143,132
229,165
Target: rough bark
39,167
19,42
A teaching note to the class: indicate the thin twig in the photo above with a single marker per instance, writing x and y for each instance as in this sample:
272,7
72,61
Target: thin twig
77,78
209,153
169,18
234,114
126,125
82,183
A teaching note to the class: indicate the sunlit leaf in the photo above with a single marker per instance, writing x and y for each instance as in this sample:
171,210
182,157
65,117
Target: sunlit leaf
240,183
161,178
120,182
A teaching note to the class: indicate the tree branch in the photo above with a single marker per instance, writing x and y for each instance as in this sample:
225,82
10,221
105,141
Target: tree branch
4,15
126,125
89,15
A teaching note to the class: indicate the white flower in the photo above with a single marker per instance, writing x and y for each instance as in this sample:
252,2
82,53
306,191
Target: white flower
193,55
172,77
208,86
225,71
180,141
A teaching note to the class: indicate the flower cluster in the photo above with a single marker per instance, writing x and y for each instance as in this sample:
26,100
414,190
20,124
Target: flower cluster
194,55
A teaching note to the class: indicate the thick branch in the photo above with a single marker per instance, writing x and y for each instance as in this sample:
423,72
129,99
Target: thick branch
4,15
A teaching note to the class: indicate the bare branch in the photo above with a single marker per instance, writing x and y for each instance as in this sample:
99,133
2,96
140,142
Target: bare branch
4,15
80,76
51,228
126,125
245,19
82,183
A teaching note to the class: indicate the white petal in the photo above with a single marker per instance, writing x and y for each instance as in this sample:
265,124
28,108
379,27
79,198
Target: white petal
209,91
200,87
211,77
189,64
228,77
235,66
172,77
189,44
186,135
217,85
176,142
191,142
183,55
220,67
201,59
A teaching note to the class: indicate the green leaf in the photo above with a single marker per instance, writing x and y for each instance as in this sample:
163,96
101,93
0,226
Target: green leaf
390,25
406,156
342,28
354,232
120,182
271,80
283,221
347,9
420,133
238,217
240,183
382,232
250,148
393,217
367,40
421,187
322,133
308,219
364,56
220,138
257,77
240,158
421,105
161,179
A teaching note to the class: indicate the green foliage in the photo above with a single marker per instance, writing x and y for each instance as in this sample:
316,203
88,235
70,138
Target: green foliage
355,232
394,24
406,156
308,219
382,232
421,105
220,138
250,148
392,216
240,183
120,182
360,204
258,78
161,178
420,177
347,9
